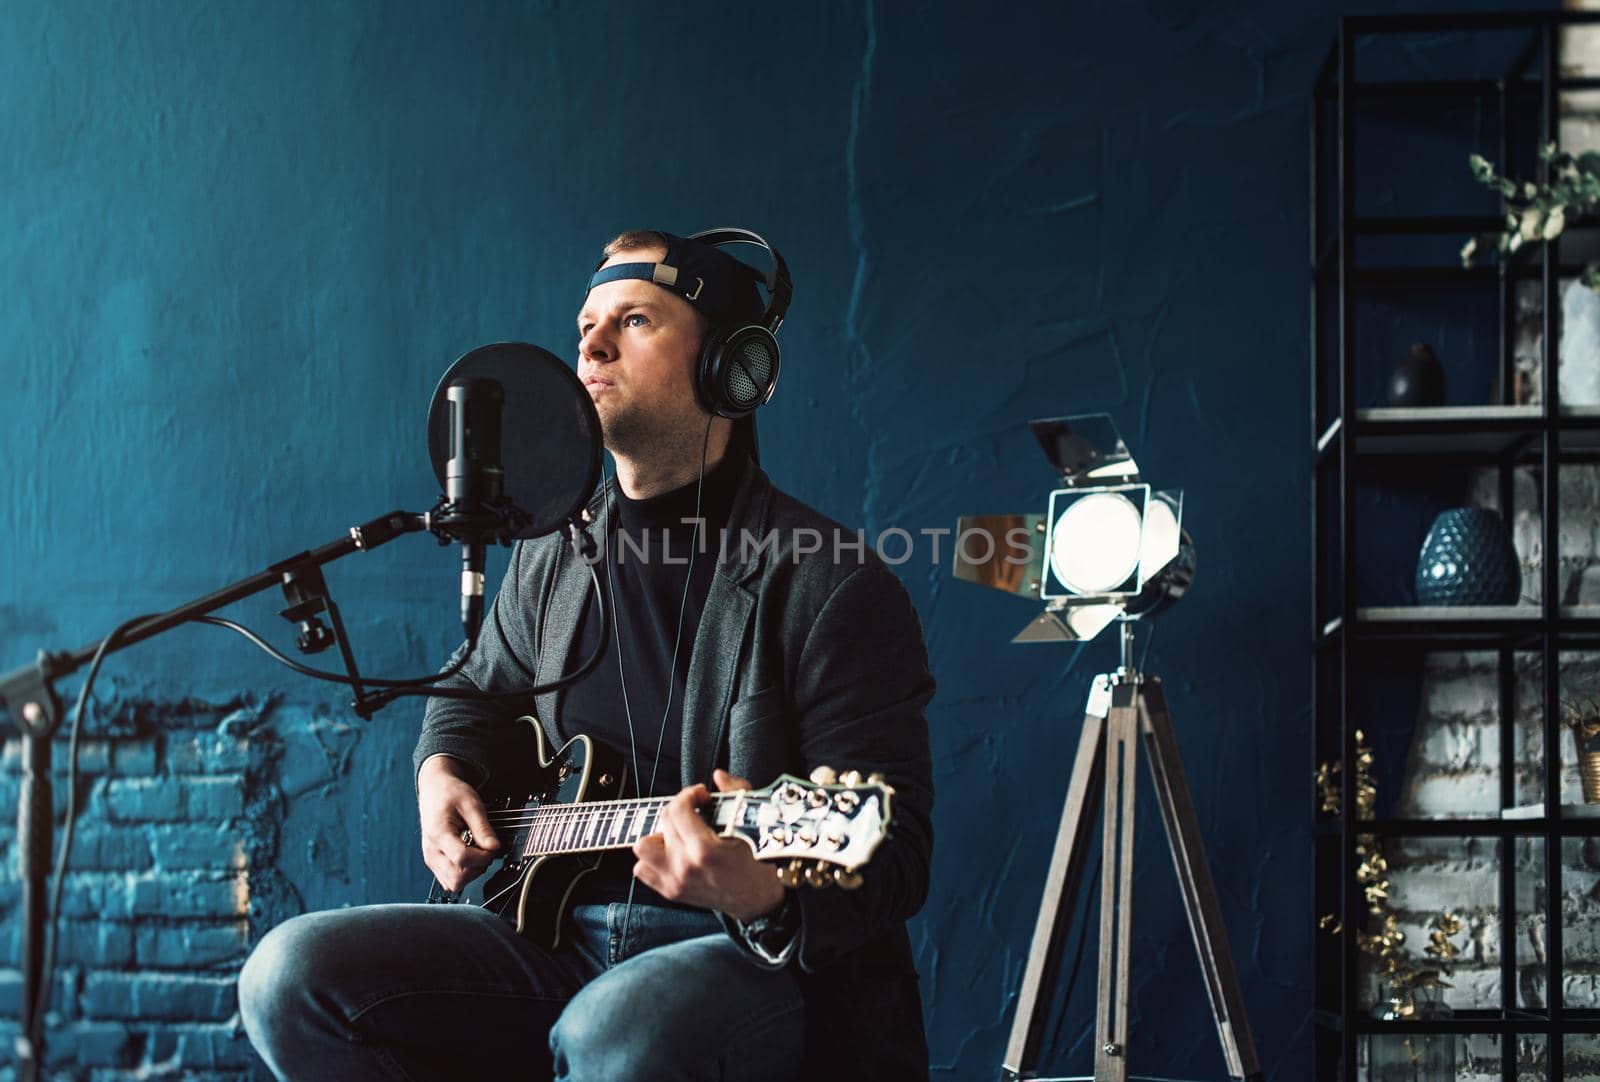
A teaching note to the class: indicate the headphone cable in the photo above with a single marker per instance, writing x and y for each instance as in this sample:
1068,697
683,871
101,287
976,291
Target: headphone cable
672,671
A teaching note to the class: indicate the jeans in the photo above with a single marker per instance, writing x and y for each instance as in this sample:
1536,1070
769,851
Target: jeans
443,992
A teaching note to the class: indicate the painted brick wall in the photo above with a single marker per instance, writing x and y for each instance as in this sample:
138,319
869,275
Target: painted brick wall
172,866
1453,770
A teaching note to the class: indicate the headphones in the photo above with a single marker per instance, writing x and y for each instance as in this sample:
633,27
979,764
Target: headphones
738,367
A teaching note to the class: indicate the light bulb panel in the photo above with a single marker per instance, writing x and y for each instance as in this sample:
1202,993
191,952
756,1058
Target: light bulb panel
1094,543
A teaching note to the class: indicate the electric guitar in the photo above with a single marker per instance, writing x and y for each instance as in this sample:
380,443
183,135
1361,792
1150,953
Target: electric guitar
568,813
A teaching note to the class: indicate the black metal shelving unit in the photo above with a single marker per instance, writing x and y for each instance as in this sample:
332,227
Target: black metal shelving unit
1348,442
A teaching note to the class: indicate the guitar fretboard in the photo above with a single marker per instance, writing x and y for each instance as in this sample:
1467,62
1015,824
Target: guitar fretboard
555,829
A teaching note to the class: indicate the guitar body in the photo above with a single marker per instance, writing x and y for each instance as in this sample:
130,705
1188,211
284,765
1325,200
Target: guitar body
529,889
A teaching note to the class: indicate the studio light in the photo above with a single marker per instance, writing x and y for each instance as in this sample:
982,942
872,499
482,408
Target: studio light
1109,547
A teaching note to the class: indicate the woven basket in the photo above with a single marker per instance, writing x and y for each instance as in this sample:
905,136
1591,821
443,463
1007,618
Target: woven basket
1586,737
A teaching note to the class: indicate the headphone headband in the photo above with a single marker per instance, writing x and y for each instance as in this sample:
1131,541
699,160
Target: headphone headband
780,287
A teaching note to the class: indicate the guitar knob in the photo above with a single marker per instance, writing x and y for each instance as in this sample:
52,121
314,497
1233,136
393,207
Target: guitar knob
819,875
789,874
852,778
807,834
847,878
824,775
875,778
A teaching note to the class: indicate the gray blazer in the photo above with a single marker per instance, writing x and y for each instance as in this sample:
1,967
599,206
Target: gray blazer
801,659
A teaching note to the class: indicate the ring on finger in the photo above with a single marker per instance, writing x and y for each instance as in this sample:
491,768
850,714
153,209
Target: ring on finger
466,838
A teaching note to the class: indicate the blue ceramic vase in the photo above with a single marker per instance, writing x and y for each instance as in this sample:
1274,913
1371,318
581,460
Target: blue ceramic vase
1468,559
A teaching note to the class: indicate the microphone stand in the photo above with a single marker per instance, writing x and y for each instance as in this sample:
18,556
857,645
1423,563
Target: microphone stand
29,697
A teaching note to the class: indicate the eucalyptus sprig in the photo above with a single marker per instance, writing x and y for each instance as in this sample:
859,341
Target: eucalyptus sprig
1538,212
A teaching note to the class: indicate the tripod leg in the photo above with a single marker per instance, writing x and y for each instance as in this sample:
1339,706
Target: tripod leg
1116,889
1060,890
1194,878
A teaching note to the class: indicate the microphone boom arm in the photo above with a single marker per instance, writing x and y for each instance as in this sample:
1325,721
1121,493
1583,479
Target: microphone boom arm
29,698
19,687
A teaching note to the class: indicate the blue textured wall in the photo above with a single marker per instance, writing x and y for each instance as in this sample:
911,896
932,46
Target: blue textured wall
239,243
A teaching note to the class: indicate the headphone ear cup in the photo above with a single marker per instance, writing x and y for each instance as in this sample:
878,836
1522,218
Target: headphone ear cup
705,382
738,371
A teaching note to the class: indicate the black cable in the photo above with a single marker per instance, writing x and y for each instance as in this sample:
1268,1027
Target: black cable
672,672
337,678
420,685
1148,639
35,1011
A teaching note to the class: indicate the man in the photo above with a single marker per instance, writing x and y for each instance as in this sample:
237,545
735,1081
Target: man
690,959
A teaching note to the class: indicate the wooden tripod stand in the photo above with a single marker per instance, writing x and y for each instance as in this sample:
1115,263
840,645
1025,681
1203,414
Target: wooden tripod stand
1123,707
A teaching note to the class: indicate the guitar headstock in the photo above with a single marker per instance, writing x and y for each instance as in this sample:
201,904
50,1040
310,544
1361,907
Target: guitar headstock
826,827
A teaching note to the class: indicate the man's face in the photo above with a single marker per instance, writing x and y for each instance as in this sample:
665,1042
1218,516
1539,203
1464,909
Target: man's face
637,346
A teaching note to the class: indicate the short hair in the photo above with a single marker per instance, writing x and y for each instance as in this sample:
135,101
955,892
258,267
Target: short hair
633,240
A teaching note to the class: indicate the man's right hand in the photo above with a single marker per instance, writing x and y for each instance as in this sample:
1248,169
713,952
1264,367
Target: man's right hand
448,806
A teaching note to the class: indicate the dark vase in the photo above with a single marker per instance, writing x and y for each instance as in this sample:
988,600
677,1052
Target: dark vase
1468,559
1418,380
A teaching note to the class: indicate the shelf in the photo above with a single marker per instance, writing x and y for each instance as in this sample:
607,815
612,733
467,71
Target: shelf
1443,88
1494,432
1480,1022
1568,811
1326,260
1408,23
1473,430
1422,225
1446,616
1460,626
1470,1020
1510,823
1485,273
1583,435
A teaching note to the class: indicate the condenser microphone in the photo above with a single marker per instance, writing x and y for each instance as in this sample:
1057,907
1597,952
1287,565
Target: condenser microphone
474,483
551,461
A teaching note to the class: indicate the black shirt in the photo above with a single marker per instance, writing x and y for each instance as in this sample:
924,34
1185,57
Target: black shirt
654,550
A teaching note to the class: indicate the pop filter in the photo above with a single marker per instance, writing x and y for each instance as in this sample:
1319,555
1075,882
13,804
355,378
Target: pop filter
550,440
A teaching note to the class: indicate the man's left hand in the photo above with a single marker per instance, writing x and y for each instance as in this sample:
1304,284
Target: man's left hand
687,862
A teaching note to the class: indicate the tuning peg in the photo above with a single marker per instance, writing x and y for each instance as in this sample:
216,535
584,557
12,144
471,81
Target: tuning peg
824,775
819,875
789,874
852,778
875,778
847,878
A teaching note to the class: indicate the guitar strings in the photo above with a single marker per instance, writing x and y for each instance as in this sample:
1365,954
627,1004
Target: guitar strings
567,813
506,814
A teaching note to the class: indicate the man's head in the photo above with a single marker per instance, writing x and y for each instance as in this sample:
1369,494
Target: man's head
639,339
